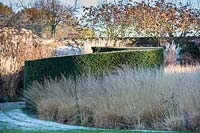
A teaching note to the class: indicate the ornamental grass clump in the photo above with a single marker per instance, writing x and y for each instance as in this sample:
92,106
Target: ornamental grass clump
124,99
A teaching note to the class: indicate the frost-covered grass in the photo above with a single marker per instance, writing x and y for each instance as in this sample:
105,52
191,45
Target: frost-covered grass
124,99
16,121
86,131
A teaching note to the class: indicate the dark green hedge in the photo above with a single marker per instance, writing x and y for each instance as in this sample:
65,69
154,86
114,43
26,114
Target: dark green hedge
192,48
90,63
110,49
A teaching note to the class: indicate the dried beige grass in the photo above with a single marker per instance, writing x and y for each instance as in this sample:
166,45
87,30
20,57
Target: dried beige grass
127,99
16,46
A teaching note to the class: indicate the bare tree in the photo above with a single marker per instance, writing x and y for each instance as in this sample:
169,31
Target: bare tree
5,14
56,13
153,19
29,18
109,19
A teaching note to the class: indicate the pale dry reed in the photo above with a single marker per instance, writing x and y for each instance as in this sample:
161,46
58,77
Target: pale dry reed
125,99
8,65
16,46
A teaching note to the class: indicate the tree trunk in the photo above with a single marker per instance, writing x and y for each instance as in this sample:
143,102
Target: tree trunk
53,31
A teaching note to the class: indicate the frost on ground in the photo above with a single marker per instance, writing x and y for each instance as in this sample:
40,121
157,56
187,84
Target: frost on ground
68,49
16,119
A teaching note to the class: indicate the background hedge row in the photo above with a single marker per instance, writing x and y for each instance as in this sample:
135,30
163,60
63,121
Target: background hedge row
97,62
110,49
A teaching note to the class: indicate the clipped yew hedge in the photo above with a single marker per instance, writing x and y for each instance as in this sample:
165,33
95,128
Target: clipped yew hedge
110,49
97,62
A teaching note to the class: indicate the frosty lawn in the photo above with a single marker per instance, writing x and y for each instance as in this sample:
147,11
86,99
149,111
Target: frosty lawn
15,121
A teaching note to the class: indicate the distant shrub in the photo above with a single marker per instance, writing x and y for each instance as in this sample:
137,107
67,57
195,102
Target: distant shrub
190,53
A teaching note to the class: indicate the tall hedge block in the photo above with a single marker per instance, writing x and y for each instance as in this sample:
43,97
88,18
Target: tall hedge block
97,62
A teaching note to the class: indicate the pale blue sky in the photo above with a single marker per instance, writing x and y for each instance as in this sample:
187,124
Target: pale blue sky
84,2
194,3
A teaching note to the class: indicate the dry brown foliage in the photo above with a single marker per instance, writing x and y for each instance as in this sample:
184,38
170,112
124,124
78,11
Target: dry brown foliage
16,47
